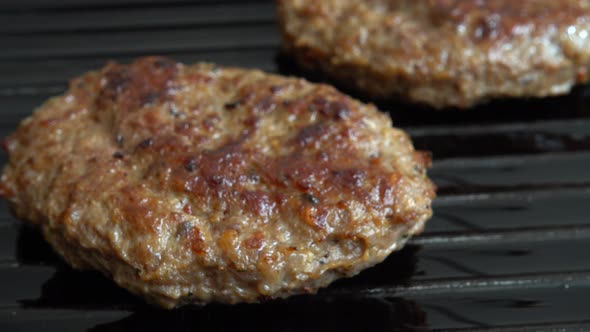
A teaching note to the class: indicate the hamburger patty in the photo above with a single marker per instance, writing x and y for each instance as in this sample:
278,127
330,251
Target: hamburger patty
442,52
191,184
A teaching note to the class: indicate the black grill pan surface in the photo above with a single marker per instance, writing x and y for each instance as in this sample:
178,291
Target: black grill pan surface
508,248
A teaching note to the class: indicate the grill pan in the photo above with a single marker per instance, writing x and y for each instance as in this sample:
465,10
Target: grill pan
507,249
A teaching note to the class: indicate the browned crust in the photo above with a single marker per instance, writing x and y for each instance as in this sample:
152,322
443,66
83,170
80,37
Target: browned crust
442,52
197,183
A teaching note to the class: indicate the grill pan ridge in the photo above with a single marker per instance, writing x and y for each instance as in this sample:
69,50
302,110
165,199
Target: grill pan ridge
507,249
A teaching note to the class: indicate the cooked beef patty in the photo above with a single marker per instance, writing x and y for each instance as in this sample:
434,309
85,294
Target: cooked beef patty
442,52
191,184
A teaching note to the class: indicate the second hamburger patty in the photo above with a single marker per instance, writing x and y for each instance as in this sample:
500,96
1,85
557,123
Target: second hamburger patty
195,183
442,52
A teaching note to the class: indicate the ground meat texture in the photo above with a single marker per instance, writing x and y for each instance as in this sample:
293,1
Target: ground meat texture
192,184
445,53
